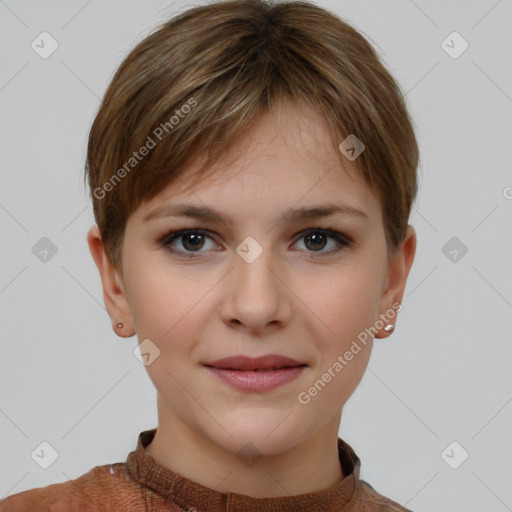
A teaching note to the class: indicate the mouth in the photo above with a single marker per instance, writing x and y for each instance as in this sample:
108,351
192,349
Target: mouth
258,374
267,363
257,370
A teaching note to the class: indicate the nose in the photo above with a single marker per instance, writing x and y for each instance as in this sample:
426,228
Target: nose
258,298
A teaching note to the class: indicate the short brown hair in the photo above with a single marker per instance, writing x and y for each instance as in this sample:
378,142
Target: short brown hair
214,68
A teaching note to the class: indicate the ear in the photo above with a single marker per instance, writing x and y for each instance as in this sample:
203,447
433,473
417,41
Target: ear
114,293
398,270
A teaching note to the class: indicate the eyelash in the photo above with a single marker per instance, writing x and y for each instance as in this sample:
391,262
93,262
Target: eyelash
343,241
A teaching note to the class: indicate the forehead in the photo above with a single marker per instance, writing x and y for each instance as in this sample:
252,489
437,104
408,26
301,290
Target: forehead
283,160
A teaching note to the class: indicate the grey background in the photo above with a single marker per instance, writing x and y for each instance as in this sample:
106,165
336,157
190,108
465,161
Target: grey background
444,375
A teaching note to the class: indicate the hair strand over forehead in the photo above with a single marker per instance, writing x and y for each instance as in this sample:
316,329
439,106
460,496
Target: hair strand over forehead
192,86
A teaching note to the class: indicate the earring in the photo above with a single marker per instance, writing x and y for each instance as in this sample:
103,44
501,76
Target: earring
389,327
120,324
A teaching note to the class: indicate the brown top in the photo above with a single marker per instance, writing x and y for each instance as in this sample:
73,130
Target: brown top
142,484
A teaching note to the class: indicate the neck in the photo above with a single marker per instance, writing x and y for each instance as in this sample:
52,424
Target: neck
309,466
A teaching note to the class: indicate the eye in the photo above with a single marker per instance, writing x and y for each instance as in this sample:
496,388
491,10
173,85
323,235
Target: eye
193,240
316,240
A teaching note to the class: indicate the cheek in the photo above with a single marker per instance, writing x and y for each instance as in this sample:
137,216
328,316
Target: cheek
149,298
348,301
348,305
166,304
344,350
154,293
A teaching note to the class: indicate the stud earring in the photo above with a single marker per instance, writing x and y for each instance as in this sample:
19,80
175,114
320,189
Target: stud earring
120,324
389,327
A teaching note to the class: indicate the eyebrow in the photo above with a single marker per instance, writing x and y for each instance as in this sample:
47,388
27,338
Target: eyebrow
207,214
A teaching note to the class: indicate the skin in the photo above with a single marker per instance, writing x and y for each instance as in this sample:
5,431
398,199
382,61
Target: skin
296,299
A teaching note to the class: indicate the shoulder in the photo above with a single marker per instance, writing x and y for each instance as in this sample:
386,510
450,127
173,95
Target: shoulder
98,490
372,501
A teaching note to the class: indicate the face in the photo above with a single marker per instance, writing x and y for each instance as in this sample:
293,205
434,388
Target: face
264,280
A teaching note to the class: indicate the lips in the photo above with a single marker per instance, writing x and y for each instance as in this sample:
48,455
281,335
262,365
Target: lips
256,374
256,364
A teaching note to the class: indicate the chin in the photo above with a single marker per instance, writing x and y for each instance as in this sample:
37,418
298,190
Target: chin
264,432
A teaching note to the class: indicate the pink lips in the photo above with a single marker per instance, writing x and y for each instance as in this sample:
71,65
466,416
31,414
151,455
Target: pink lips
256,374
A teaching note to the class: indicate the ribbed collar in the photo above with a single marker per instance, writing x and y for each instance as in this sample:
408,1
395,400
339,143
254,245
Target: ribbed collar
189,494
